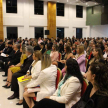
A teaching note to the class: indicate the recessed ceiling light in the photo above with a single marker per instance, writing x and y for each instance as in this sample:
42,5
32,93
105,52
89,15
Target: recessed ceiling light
95,3
57,1
86,3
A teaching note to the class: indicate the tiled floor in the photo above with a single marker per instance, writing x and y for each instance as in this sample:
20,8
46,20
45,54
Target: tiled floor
4,93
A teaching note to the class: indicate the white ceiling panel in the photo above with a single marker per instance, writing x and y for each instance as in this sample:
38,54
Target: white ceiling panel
74,2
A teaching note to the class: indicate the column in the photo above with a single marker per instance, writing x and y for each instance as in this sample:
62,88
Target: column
51,23
1,21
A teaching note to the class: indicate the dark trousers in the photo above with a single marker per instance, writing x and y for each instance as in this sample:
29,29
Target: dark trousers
48,103
25,104
14,83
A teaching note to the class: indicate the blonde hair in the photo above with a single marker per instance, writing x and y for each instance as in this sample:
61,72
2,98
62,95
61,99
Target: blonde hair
45,61
81,49
38,54
23,47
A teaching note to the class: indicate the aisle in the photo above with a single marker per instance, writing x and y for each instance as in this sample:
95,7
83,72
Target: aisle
4,93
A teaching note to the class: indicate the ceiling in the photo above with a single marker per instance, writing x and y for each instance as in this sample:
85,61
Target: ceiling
74,2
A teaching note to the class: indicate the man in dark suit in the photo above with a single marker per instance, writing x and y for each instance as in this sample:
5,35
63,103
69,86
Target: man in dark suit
24,68
2,45
9,49
13,58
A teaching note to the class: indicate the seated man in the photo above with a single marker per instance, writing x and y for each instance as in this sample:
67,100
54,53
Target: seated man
24,68
7,51
14,58
2,45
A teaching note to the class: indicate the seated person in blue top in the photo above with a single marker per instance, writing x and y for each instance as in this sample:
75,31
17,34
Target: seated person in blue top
69,89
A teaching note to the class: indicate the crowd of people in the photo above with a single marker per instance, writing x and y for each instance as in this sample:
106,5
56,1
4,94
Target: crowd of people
30,67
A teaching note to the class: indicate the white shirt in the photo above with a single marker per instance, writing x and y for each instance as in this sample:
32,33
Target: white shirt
105,55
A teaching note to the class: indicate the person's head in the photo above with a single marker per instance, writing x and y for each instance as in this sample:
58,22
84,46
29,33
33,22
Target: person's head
74,46
67,49
106,47
42,45
10,44
1,41
29,50
93,46
72,69
37,55
35,43
23,49
48,46
80,49
91,43
98,75
16,47
54,47
39,38
45,61
97,52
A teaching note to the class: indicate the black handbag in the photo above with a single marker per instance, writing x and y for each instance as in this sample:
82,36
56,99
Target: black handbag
82,104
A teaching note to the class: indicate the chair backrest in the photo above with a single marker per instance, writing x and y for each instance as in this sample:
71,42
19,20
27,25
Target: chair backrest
59,77
60,56
84,87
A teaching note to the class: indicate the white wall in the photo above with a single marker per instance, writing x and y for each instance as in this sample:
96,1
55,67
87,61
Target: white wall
25,20
99,31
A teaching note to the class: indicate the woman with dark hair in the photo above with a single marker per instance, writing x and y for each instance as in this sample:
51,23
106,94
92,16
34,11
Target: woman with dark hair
96,94
98,57
48,49
69,89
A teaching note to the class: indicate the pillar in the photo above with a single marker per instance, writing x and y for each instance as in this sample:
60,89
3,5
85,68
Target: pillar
51,22
1,21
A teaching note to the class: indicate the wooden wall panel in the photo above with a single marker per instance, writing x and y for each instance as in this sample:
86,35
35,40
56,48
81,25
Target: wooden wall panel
51,16
1,21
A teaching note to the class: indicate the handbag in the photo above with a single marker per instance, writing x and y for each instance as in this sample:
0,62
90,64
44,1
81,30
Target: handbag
83,104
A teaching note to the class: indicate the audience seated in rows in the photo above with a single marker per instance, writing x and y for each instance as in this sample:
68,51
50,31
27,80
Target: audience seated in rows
40,74
15,68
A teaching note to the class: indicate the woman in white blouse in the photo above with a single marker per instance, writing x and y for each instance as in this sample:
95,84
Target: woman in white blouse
69,89
46,80
34,71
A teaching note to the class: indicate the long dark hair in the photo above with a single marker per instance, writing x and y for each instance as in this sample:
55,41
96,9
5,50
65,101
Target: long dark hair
73,70
101,77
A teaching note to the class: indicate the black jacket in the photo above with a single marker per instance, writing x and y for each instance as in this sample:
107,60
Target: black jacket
2,46
26,65
100,101
15,58
9,50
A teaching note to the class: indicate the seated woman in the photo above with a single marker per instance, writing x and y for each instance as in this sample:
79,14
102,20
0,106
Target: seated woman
54,53
74,49
34,71
13,69
69,89
98,57
35,45
48,48
46,80
81,58
68,54
96,94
